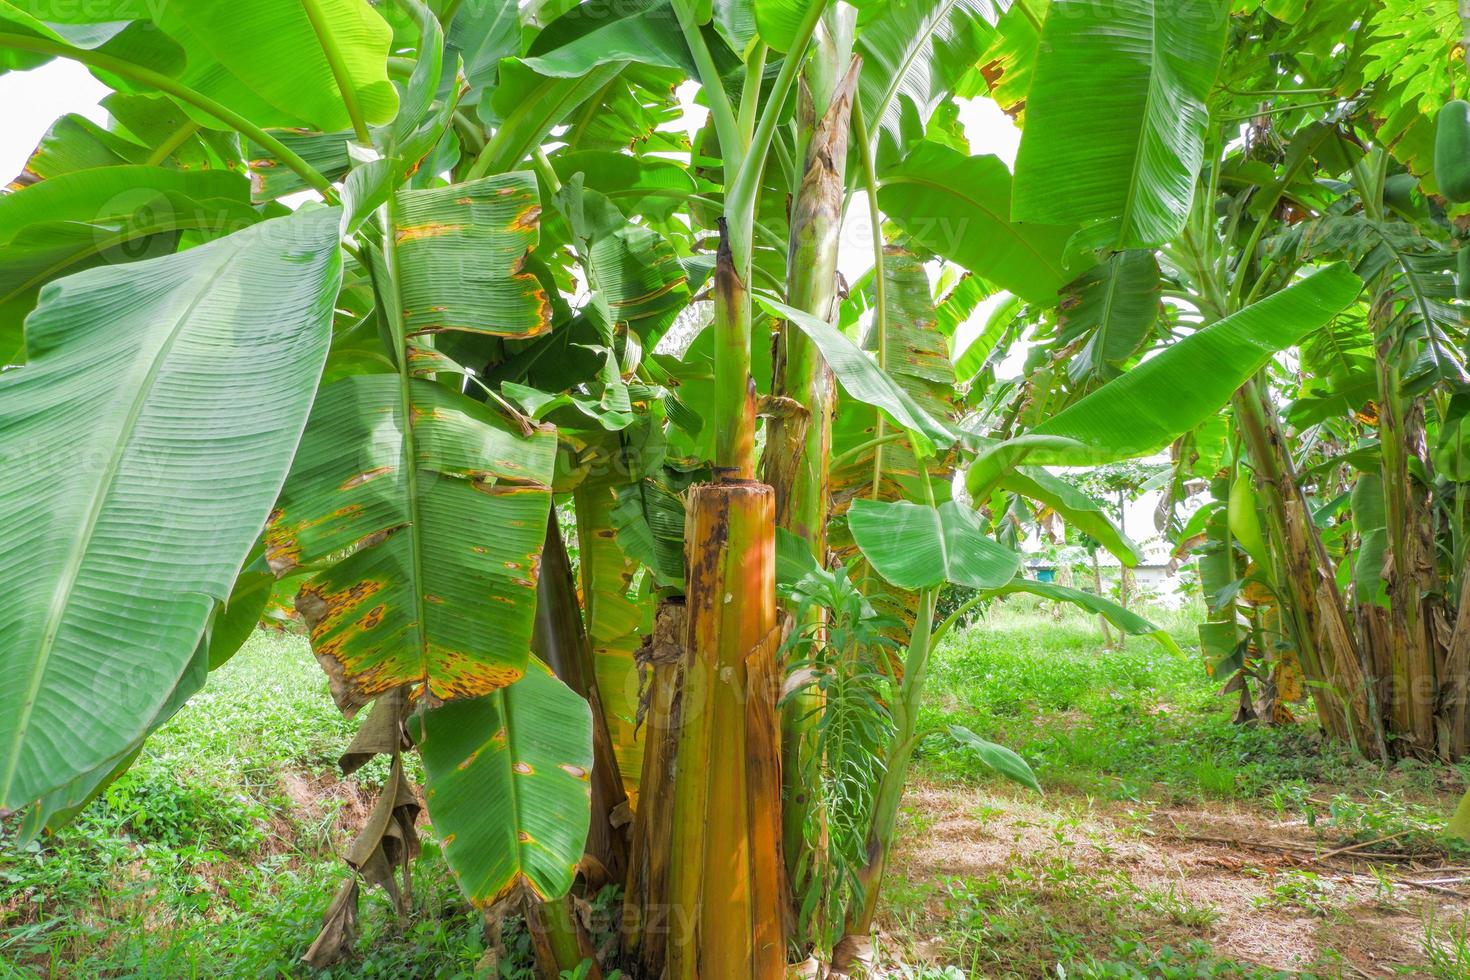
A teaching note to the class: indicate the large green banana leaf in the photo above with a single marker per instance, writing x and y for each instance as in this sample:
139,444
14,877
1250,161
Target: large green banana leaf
915,546
114,36
143,445
75,220
1110,309
1167,395
960,207
508,786
1116,116
232,625
428,511
917,51
265,59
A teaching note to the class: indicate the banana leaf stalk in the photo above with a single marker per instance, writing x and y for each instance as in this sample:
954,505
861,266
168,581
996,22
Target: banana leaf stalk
560,640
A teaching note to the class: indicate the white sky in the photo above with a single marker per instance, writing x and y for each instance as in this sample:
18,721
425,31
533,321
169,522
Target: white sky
33,100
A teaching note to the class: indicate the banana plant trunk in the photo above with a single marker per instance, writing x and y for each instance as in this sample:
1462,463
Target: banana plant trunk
1412,686
799,433
1326,643
726,871
725,877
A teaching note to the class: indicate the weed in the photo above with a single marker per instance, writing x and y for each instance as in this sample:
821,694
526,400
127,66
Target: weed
1447,948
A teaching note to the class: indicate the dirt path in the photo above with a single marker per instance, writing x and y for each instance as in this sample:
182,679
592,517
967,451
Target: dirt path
1014,880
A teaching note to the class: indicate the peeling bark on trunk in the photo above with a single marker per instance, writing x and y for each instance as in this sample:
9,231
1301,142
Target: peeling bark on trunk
1455,691
1411,578
726,860
646,901
1327,646
797,448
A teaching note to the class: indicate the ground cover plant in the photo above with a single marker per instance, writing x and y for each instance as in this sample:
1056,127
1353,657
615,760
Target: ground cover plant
217,853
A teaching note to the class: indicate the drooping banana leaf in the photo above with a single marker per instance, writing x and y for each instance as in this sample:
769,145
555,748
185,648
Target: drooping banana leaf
141,126
144,445
862,379
232,625
112,214
428,511
508,786
98,28
1167,395
268,59
649,36
481,34
1128,622
1074,507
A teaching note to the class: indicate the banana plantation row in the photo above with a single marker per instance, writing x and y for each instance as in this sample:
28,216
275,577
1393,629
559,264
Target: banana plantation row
598,487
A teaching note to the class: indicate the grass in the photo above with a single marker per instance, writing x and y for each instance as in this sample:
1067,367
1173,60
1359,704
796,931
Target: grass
1127,745
1145,723
216,854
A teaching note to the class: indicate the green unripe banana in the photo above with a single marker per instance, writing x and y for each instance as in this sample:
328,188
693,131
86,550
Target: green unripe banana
1452,151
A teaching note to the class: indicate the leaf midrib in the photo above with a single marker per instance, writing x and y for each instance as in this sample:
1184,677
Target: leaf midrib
1130,199
410,454
907,62
60,599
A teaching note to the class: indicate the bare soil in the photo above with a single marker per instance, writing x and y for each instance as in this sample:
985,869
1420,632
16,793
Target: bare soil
1260,890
